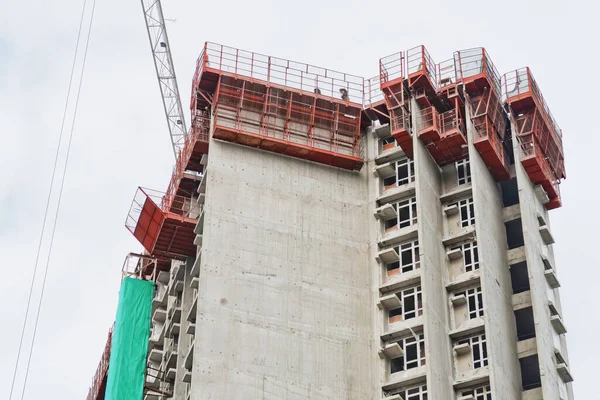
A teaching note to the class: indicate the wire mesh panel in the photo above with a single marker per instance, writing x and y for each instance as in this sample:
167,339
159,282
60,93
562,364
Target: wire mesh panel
391,68
474,64
418,60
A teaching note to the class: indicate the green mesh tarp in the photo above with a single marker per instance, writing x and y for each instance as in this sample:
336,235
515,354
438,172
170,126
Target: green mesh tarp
127,365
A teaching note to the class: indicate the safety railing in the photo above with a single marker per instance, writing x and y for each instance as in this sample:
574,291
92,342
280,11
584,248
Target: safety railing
102,369
446,73
391,68
472,62
373,94
429,119
418,60
139,266
400,120
451,121
485,130
519,83
173,204
290,74
530,148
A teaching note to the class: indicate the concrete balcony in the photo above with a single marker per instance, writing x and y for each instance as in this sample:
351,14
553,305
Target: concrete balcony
198,240
390,351
173,328
402,328
384,170
189,357
469,327
551,278
564,372
389,302
463,281
472,377
397,236
191,329
195,271
160,315
558,324
171,374
409,377
199,228
388,255
160,297
187,377
163,277
401,280
388,155
155,354
546,235
396,193
157,334
461,235
194,282
461,192
170,357
191,315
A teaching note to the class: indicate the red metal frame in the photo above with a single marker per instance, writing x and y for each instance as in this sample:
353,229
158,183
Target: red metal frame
164,223
539,134
397,100
422,75
444,134
490,123
98,387
476,71
281,106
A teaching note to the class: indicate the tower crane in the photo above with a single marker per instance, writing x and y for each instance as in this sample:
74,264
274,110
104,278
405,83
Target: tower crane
165,72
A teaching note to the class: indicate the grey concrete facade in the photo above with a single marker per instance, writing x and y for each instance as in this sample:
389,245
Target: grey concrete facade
295,293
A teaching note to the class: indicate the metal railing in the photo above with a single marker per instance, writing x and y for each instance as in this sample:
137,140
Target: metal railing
446,73
417,60
278,71
391,68
102,369
429,118
519,83
472,62
373,93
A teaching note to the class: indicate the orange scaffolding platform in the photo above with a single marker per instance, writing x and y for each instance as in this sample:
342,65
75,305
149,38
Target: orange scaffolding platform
422,76
395,93
444,134
539,134
374,105
280,105
481,83
164,223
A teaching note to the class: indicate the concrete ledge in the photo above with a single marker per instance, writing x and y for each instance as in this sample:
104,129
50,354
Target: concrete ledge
511,213
396,193
521,300
516,256
463,235
382,131
195,271
388,155
546,234
403,329
463,281
532,394
461,192
472,378
410,377
399,236
469,327
526,348
402,280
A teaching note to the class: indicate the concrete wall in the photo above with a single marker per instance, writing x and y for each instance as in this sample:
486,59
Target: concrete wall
496,287
433,267
534,248
286,306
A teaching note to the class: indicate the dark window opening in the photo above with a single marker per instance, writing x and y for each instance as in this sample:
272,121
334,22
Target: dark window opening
519,277
390,180
525,323
514,233
396,365
530,372
510,192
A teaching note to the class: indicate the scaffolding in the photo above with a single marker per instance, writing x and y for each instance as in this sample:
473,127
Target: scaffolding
537,131
96,391
281,106
394,87
422,75
164,223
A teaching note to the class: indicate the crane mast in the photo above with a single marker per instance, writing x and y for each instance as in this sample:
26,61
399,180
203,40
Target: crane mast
165,72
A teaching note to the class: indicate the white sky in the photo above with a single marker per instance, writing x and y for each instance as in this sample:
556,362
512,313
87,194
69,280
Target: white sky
121,140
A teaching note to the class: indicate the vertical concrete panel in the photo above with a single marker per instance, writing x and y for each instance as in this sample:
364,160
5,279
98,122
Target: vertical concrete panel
433,274
285,309
500,328
534,248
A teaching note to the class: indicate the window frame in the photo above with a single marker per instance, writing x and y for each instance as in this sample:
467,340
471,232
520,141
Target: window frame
403,295
477,296
409,203
413,248
401,181
466,209
465,165
478,393
418,392
479,342
419,361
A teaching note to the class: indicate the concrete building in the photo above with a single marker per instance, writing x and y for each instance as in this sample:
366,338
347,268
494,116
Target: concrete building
330,237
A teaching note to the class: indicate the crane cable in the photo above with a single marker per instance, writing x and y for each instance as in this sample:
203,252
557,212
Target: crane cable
49,198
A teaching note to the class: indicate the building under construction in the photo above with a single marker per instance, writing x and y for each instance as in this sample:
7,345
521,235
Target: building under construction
326,236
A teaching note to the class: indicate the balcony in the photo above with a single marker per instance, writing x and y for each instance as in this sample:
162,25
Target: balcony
398,235
402,328
156,354
400,280
189,357
546,235
558,324
461,235
160,315
191,315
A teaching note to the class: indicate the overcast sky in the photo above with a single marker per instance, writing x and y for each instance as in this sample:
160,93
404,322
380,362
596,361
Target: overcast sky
121,140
